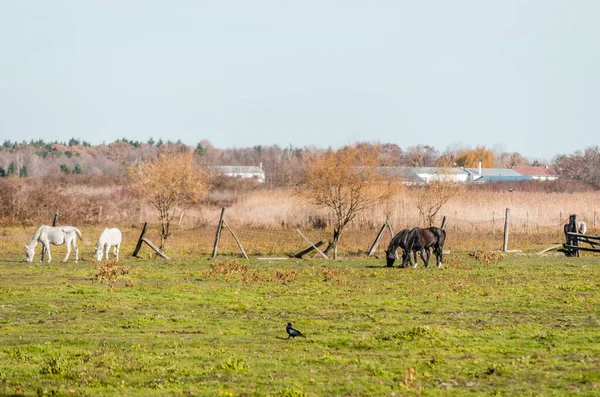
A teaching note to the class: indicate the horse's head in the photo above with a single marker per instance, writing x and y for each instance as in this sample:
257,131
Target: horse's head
98,248
390,257
29,253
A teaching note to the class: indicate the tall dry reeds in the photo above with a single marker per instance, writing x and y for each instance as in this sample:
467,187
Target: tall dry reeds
100,200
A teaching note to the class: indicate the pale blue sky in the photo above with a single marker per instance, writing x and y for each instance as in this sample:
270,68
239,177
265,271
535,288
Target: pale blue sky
521,74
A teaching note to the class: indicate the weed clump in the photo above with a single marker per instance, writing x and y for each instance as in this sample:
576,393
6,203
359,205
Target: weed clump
228,268
489,257
290,392
235,365
333,274
283,276
419,332
55,365
109,272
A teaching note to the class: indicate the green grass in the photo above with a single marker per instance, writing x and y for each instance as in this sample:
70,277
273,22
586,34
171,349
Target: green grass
525,326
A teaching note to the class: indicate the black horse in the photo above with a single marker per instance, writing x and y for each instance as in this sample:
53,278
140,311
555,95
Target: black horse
422,240
400,240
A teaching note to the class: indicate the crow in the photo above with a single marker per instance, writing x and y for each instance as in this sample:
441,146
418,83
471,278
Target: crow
293,332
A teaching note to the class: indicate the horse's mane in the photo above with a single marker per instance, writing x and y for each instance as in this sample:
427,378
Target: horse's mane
36,236
397,240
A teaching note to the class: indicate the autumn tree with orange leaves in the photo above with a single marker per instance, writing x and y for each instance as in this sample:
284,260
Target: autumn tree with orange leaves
346,183
471,158
172,181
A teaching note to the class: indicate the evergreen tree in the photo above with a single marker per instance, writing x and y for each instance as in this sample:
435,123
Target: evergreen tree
12,169
65,168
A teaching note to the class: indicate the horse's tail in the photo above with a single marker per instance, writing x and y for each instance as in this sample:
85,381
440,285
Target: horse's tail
441,237
78,233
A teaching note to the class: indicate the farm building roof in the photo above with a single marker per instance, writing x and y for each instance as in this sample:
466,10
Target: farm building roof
536,171
407,174
503,178
237,169
495,172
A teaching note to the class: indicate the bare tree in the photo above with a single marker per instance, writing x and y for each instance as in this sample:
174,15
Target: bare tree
431,197
172,181
346,183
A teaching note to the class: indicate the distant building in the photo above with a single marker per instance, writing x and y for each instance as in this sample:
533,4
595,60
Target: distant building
545,173
241,171
421,175
486,175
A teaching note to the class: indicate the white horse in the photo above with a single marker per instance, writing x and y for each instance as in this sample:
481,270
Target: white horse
107,238
56,236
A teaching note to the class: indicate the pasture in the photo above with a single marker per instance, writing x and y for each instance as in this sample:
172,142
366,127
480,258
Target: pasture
525,325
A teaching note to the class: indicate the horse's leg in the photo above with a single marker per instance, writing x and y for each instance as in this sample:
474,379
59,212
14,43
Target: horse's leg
408,261
439,256
117,248
107,248
68,244
425,260
76,249
416,258
428,256
47,246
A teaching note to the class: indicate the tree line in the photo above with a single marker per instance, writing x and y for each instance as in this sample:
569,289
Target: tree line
283,165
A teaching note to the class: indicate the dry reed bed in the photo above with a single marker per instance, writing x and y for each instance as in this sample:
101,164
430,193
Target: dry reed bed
483,209
265,221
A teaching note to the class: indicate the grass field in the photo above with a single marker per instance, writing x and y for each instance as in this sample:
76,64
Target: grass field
526,325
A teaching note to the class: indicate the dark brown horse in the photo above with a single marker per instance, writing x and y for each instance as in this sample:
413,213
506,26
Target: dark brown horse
424,239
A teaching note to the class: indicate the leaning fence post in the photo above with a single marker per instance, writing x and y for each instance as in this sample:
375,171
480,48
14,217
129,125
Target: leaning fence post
237,240
376,242
506,223
387,223
140,240
312,244
218,236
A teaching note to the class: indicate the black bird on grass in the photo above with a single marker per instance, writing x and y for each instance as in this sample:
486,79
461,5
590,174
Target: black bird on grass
293,332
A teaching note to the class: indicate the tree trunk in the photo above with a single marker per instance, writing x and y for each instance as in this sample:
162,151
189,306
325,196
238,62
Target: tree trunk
165,224
333,244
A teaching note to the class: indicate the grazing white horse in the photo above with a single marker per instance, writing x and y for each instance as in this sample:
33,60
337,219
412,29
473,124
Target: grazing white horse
107,238
56,236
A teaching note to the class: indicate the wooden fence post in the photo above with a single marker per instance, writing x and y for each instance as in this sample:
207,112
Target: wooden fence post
506,223
311,243
573,241
309,249
376,242
140,240
236,239
218,236
180,218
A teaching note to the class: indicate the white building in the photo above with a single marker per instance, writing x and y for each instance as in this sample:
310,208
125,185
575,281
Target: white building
241,171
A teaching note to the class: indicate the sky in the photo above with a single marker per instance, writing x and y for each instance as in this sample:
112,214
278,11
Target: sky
513,75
